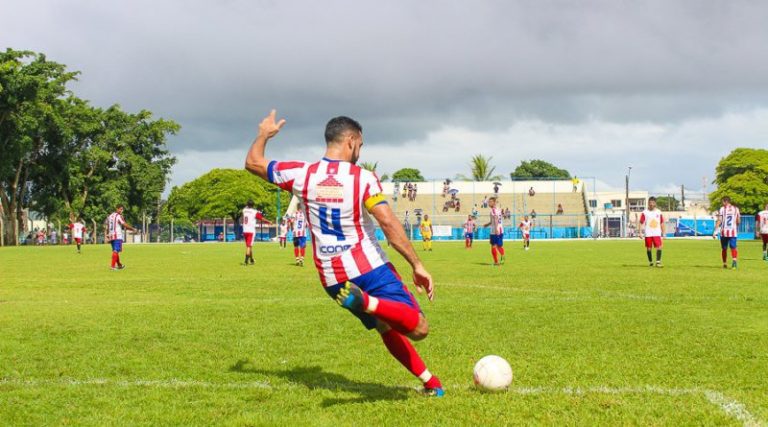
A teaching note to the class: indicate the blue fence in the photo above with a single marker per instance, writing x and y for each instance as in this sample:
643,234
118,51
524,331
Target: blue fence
685,227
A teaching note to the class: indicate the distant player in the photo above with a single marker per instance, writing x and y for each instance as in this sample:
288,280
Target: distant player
340,200
299,237
469,232
426,233
78,228
728,220
497,232
761,228
282,233
525,227
251,216
115,234
652,229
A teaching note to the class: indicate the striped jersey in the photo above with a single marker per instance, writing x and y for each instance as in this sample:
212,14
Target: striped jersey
469,226
115,224
77,230
651,221
762,220
299,224
250,218
729,221
497,224
336,198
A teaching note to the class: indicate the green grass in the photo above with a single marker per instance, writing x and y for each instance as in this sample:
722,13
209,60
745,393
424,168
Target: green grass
187,336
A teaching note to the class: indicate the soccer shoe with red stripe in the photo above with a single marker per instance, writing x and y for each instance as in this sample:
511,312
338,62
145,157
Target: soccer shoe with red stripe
351,297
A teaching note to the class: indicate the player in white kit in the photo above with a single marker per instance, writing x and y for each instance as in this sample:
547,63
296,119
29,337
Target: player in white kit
251,216
525,228
77,228
652,229
761,229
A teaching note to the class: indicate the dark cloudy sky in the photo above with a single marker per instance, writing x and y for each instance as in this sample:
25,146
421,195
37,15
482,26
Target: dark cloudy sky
668,87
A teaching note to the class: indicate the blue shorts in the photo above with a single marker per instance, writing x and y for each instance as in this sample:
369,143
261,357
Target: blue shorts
497,240
300,242
381,282
469,236
728,241
117,245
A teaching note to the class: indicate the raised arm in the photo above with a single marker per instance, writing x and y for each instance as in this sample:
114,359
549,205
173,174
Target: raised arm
397,238
255,162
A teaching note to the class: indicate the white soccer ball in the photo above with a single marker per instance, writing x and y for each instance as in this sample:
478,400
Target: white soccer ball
492,373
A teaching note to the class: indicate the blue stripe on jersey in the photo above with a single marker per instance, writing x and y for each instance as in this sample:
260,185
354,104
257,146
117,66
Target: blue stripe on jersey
270,171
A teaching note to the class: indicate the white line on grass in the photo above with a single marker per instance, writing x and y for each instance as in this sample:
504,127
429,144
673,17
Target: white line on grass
730,407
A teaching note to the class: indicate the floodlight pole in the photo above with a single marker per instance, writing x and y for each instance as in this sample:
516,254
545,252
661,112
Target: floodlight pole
626,201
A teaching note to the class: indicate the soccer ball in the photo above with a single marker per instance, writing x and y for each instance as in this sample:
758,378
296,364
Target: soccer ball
492,373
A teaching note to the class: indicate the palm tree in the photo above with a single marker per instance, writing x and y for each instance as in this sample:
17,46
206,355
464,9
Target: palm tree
371,166
481,169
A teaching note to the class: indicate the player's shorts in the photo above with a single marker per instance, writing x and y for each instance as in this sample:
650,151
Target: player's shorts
248,239
382,282
300,242
117,245
653,242
282,238
526,236
497,240
728,242
469,236
764,236
78,240
426,236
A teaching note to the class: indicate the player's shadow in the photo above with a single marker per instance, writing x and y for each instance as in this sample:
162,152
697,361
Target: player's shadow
314,378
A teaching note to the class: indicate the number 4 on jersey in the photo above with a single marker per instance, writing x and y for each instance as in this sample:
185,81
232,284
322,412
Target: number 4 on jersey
332,227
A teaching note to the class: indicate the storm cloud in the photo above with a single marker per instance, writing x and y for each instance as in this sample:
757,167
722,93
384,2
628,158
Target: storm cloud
594,86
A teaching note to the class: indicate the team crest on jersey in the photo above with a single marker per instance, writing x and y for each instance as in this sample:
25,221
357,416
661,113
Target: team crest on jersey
330,191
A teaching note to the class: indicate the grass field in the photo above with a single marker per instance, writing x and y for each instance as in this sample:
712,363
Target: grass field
187,336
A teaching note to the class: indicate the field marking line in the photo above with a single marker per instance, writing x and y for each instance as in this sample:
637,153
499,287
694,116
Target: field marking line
731,407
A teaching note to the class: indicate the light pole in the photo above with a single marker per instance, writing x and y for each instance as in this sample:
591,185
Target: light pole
626,200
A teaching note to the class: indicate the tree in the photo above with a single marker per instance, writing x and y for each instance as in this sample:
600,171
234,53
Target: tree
370,166
407,175
743,176
667,203
538,169
481,169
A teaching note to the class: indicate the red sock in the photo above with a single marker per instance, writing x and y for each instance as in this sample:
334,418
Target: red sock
401,317
725,256
303,251
501,250
402,349
296,252
495,257
117,254
114,259
734,253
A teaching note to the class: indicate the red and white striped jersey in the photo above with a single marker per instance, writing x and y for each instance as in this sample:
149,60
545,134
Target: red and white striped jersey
651,221
299,224
115,224
250,218
336,198
497,218
469,226
525,226
729,218
77,230
762,221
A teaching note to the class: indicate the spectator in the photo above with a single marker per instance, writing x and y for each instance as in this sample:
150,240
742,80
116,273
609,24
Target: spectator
484,204
575,182
414,192
40,237
54,237
533,213
531,192
405,190
458,205
396,191
446,187
560,209
446,206
475,212
495,189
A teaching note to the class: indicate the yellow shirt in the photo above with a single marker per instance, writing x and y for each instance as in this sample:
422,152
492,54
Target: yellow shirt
426,228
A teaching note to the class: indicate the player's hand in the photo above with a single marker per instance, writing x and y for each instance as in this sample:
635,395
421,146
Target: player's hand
423,281
269,127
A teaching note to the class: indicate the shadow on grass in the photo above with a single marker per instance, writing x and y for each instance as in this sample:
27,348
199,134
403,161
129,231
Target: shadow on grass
314,378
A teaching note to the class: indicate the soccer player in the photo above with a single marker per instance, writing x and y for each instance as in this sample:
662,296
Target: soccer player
652,229
497,232
469,232
115,234
426,233
250,216
761,227
299,237
282,233
340,199
728,220
525,228
77,228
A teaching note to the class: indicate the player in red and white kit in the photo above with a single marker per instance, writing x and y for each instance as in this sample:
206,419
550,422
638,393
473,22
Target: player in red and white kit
761,229
340,201
525,227
77,228
497,232
115,226
469,232
728,220
282,233
652,229
251,216
299,226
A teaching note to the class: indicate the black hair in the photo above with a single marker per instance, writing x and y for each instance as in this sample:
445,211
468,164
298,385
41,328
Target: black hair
249,203
337,126
651,198
120,205
726,199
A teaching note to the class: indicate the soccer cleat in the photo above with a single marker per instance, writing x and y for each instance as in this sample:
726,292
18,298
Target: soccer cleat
650,264
121,267
434,392
351,297
502,259
658,264
725,266
733,265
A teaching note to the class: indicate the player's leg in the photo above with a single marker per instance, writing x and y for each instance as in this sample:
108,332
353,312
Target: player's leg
734,252
302,250
657,242
494,251
500,248
765,246
401,349
649,250
296,249
724,250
